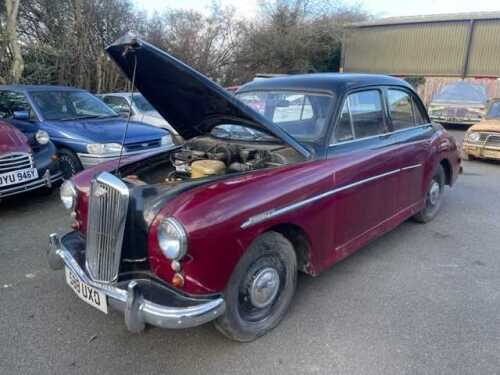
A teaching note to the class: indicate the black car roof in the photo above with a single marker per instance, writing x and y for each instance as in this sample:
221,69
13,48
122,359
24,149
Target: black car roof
328,82
38,88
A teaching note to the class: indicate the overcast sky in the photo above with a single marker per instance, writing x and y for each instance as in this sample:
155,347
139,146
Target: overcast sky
247,8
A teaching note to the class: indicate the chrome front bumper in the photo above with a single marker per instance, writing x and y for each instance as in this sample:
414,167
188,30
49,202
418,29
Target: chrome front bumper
89,160
130,300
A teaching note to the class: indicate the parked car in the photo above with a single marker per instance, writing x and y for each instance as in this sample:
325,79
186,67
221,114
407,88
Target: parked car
217,229
483,139
28,161
141,110
459,103
85,131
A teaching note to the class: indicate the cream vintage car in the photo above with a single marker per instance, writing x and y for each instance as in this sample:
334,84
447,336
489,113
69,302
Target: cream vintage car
482,140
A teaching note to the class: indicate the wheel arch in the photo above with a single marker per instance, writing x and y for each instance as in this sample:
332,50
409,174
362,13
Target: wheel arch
300,242
445,163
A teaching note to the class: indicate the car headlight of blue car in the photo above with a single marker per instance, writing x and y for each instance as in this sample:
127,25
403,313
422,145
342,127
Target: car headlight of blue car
104,148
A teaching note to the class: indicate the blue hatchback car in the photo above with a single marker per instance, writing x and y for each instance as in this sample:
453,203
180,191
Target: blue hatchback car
85,131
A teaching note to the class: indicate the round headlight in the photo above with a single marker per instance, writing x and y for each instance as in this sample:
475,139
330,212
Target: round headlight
172,239
68,195
474,137
42,137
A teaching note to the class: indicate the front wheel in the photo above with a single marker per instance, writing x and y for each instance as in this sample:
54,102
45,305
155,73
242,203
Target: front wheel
69,163
260,289
433,198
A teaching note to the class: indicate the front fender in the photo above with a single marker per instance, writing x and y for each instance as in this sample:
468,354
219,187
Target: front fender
213,216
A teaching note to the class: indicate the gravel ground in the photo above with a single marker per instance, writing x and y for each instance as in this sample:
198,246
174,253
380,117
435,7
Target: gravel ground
423,299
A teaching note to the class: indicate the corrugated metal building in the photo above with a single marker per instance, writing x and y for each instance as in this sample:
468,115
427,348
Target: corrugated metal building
454,45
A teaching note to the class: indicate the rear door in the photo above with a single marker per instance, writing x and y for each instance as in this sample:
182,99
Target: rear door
411,134
366,176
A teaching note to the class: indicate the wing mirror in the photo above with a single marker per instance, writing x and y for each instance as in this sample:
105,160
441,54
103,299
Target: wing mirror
21,115
123,111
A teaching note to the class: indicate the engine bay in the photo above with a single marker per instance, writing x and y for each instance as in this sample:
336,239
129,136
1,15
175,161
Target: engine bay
208,156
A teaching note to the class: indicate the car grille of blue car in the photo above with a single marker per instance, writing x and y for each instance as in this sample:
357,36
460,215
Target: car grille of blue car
139,146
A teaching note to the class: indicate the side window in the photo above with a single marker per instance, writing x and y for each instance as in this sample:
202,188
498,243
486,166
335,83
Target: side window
363,111
343,130
11,101
400,109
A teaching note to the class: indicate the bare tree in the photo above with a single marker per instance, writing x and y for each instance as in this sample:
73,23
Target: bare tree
13,45
63,41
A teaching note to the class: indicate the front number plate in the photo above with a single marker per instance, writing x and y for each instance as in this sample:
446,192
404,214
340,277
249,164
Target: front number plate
16,177
90,295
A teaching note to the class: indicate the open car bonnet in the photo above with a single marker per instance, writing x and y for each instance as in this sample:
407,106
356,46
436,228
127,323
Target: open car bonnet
189,101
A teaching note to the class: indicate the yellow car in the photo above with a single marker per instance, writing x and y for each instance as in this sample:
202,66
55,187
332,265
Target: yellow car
482,140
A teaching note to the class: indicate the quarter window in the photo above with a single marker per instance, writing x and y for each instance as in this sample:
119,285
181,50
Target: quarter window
343,131
362,116
400,109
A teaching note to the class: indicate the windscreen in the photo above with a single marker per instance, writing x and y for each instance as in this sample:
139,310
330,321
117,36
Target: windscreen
142,104
70,105
462,92
302,115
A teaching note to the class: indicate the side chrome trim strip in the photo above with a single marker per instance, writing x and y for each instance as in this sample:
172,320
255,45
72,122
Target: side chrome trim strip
283,210
411,167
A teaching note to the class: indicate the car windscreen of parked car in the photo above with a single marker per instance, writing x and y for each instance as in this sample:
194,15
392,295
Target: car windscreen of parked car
142,104
494,111
302,115
462,92
70,105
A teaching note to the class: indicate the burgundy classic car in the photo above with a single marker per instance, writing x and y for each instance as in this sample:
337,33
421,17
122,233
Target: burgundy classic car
217,229
27,160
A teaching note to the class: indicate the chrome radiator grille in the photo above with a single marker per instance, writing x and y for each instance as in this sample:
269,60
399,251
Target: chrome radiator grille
108,204
15,161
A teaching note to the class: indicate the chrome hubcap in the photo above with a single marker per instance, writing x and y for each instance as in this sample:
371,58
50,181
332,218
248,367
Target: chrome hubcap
434,193
265,287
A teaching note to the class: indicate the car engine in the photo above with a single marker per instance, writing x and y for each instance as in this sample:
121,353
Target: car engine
205,157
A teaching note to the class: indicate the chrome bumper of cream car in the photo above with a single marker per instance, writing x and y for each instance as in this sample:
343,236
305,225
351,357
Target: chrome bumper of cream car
130,300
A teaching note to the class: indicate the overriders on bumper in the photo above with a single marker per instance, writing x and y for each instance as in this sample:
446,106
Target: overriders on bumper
130,297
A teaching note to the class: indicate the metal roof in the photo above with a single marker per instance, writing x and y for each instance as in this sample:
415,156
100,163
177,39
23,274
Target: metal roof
331,82
448,17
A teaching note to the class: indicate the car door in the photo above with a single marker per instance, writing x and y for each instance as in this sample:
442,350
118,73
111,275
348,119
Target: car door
366,173
411,133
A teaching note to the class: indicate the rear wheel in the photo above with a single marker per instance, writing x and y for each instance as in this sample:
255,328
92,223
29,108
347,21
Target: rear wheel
69,163
433,198
260,289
